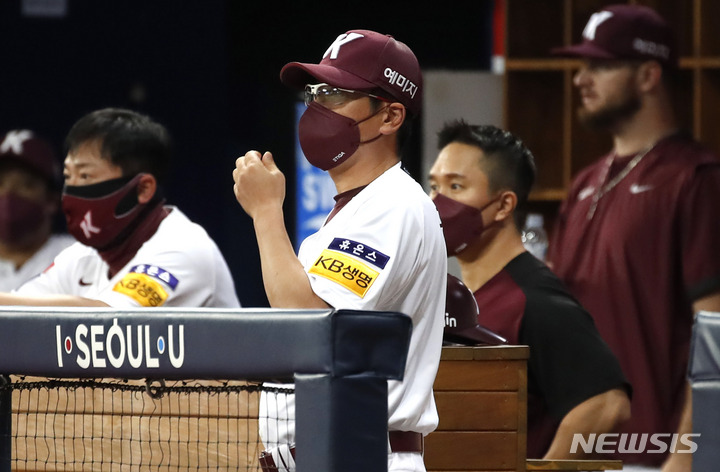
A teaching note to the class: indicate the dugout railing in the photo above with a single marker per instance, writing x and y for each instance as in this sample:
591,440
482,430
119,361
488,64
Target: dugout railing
340,362
704,375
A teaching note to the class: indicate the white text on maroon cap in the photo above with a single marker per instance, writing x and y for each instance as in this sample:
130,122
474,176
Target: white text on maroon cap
400,81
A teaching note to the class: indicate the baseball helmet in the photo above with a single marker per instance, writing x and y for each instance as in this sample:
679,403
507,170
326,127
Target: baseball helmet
461,317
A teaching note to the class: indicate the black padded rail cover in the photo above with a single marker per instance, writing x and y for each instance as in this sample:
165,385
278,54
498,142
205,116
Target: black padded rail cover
704,373
201,343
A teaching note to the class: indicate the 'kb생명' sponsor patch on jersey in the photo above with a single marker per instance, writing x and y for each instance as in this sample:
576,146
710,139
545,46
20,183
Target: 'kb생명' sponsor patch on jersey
352,274
363,251
157,272
142,288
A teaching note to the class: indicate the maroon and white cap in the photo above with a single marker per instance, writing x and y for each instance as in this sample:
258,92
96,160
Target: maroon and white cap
461,317
25,148
364,60
625,32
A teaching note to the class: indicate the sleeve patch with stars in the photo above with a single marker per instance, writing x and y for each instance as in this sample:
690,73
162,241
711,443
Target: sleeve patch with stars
349,272
156,272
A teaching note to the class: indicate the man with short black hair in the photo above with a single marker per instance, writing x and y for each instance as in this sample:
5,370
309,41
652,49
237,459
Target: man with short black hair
132,250
479,181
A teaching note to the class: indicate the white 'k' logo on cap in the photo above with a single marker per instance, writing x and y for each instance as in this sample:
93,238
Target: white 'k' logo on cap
344,38
595,20
14,140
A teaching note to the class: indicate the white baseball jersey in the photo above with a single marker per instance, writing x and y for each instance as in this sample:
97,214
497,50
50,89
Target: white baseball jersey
11,277
178,266
384,250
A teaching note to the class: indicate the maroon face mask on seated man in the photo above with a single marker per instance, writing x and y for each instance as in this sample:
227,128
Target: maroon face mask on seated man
97,214
462,224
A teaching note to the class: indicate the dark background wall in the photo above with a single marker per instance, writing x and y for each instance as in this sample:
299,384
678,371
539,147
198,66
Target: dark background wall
208,70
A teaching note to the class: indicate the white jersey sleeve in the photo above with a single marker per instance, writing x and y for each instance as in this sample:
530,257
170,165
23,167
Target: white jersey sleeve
382,244
363,265
64,275
178,266
12,277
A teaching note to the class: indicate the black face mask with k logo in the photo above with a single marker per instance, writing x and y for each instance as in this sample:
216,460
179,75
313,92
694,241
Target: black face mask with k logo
97,214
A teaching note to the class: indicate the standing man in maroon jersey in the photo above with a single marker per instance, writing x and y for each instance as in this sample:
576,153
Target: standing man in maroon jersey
636,240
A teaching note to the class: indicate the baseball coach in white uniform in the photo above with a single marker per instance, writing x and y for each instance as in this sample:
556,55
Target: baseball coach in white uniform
381,247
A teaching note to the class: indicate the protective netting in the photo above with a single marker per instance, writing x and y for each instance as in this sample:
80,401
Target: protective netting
133,425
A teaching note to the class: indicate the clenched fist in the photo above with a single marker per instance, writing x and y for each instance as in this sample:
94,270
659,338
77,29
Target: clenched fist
259,184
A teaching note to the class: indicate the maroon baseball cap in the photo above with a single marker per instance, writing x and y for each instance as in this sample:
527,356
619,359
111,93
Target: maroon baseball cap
625,32
364,60
461,317
25,148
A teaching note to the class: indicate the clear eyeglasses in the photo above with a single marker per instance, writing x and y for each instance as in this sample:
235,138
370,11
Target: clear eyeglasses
330,97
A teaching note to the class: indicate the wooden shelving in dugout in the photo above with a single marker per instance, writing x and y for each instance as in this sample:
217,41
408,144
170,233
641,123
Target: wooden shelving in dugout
540,100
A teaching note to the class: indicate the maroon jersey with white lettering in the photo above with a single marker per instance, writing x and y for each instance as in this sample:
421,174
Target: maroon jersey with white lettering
651,248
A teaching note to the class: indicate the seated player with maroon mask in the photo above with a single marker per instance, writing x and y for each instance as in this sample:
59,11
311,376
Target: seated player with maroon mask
479,182
132,250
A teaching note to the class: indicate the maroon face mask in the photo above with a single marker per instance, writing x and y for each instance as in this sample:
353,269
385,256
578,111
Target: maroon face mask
462,224
19,216
97,214
328,138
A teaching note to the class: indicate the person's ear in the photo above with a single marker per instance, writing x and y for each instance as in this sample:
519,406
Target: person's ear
146,188
649,75
394,116
508,202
